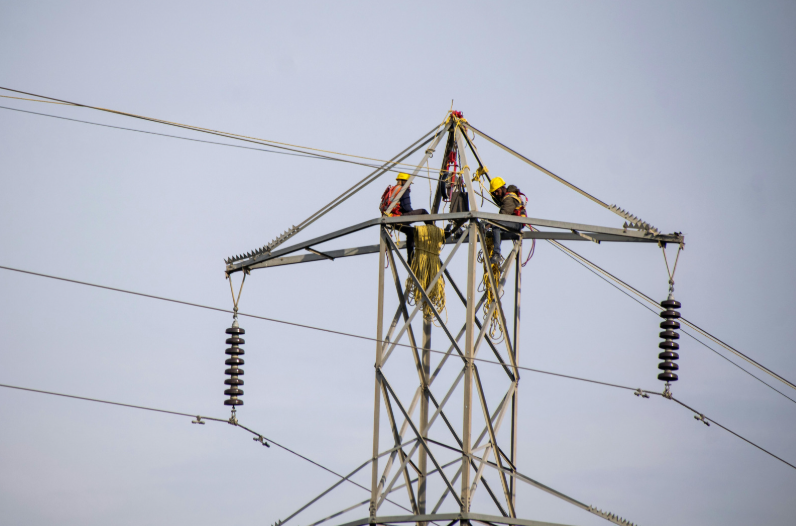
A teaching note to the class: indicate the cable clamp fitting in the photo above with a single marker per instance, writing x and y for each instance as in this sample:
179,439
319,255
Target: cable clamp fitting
639,392
667,392
702,419
260,439
233,419
198,420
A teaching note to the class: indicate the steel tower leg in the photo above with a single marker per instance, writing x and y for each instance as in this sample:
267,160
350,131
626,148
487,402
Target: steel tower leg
374,492
515,396
468,374
423,458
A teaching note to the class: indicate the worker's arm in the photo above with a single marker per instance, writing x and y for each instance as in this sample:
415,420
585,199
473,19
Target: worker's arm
406,202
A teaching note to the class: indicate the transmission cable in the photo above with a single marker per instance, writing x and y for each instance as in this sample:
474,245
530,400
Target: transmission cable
699,416
636,221
116,403
331,331
200,420
230,135
637,391
265,440
561,247
303,326
274,144
305,155
602,273
393,163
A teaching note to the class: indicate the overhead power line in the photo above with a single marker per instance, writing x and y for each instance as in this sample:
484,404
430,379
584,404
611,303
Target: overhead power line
116,403
200,420
287,152
393,163
383,168
637,391
701,417
303,326
602,273
246,138
265,440
35,100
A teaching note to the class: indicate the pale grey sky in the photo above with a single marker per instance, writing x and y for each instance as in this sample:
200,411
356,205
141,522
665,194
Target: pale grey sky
681,112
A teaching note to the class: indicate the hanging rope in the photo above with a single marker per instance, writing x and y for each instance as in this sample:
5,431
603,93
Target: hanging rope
394,234
426,264
530,252
495,332
430,190
481,171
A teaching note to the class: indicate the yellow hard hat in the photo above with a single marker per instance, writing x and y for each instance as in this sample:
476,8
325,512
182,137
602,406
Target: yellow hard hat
402,177
496,183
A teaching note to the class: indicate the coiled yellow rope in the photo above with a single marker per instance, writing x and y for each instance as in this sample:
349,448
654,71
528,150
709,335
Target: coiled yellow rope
495,332
426,264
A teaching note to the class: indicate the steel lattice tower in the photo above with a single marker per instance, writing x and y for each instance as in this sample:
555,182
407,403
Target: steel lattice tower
406,456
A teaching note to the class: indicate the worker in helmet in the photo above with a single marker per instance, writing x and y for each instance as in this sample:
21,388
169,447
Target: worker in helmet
510,203
403,208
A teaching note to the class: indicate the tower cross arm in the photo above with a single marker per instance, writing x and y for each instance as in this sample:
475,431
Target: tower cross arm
564,231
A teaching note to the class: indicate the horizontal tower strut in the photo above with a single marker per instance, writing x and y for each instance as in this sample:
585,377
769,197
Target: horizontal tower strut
574,232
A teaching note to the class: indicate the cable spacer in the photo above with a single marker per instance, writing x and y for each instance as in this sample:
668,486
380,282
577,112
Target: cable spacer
198,420
702,419
639,392
260,439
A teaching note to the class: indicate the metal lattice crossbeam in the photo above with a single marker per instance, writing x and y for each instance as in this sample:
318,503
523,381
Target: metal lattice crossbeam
564,231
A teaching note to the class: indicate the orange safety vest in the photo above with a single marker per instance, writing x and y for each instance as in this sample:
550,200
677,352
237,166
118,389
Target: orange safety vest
386,199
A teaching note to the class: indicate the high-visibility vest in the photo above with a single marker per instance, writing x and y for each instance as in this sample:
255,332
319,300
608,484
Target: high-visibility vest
386,199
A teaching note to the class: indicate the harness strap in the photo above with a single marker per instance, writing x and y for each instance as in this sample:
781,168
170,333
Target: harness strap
387,198
520,208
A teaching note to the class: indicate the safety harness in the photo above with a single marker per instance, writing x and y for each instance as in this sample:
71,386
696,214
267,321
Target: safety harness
521,202
386,199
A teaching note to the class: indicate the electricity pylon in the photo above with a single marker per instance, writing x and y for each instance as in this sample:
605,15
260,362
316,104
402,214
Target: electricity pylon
414,437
